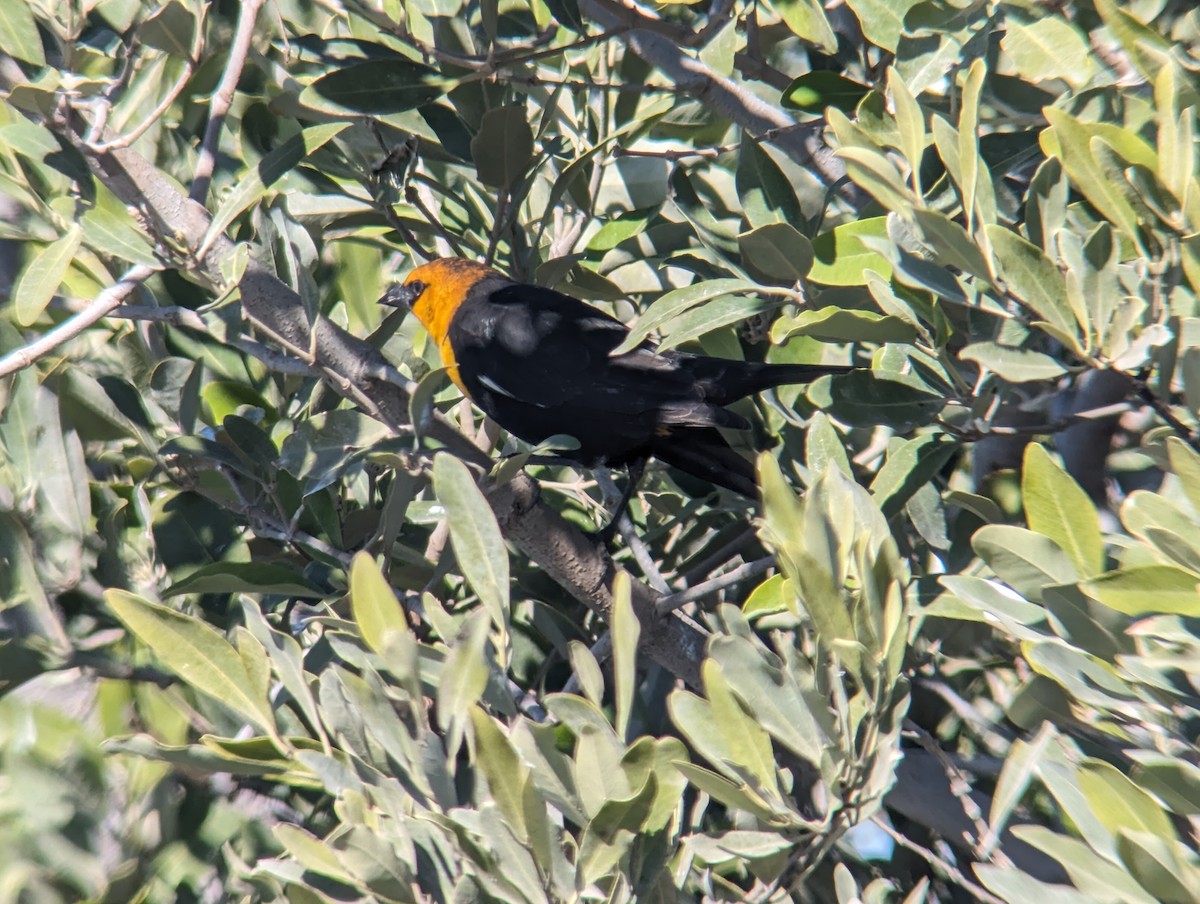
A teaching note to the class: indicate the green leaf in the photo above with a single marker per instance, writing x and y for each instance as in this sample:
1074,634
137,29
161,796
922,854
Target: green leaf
478,545
771,596
823,447
1016,365
42,276
465,675
19,34
1147,48
1033,278
1069,139
989,602
1157,864
170,29
834,324
910,121
1049,47
909,466
727,792
715,234
375,88
806,19
875,171
1185,464
622,227
1088,680
1174,781
882,21
503,147
1144,589
777,251
626,629
766,193
749,746
587,671
245,577
712,316
951,244
1097,877
1055,505
194,651
1119,803
507,776
1020,768
282,160
676,302
784,700
1025,560
861,399
841,258
1013,885
373,603
821,88
312,853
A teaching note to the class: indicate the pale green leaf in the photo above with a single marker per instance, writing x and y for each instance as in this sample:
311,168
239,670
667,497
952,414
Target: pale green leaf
1144,589
373,603
1055,505
1033,278
19,34
42,276
626,629
194,651
475,535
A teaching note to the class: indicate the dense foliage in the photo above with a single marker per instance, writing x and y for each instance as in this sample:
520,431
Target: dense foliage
277,621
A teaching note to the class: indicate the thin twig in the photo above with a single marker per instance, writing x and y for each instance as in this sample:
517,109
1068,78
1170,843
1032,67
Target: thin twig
186,317
953,873
1185,433
960,787
100,665
744,572
624,527
223,98
175,316
413,197
103,305
189,67
983,431
676,155
716,559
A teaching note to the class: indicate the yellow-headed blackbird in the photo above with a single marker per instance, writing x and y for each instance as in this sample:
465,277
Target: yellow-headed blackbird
540,363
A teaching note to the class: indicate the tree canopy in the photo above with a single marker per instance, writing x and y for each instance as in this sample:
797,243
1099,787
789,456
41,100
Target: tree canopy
282,618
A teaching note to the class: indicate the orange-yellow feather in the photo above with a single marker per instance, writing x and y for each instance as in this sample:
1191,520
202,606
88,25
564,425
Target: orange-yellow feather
448,281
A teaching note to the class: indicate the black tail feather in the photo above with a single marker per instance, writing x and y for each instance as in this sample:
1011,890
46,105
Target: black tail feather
727,381
704,453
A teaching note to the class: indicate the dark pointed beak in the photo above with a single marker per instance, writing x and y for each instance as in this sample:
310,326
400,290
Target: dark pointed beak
403,296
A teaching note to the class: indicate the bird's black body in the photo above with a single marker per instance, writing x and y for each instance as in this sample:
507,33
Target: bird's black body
540,363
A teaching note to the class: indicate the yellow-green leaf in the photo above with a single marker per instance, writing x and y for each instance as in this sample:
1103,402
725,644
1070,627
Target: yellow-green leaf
1056,506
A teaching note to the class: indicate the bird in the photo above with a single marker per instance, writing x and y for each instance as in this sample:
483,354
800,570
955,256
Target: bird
541,363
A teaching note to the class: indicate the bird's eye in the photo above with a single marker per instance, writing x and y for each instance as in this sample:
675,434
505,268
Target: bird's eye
405,295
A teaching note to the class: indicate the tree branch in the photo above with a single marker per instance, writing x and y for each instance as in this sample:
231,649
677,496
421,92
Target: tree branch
101,307
724,95
223,97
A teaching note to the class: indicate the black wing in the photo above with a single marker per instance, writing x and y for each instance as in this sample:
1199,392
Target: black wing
551,352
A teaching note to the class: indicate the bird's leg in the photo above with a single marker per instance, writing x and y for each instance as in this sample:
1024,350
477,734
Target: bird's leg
635,469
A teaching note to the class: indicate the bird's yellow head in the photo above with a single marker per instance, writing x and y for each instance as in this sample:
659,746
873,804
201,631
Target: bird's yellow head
435,291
